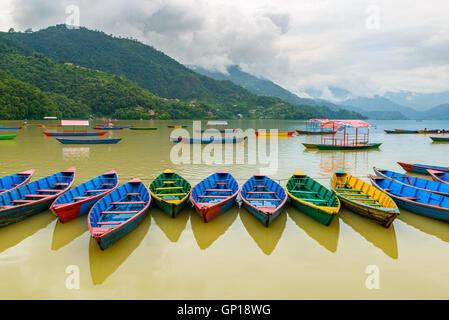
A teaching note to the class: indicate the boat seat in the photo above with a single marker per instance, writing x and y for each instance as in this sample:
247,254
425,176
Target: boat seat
266,207
348,189
305,191
363,199
133,194
222,183
317,200
218,190
261,192
168,182
128,202
119,212
251,199
169,188
23,201
374,204
48,190
61,184
109,222
107,184
171,194
36,195
213,197
259,186
357,194
98,190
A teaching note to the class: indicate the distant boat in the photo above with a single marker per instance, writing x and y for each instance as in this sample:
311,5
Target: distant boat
176,127
209,140
359,146
429,131
263,198
49,125
78,201
280,133
14,181
315,132
10,128
397,131
107,128
8,136
34,197
142,128
214,195
421,168
88,141
73,134
118,213
440,139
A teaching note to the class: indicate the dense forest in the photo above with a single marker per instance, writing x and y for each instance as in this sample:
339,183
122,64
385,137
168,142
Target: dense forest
82,72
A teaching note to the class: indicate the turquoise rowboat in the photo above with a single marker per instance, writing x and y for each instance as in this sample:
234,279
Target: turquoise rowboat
88,141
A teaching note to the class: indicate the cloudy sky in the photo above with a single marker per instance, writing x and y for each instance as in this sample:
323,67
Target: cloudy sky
365,46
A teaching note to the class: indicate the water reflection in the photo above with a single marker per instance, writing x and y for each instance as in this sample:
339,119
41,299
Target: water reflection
75,153
64,233
104,263
428,225
172,227
326,236
207,233
381,237
17,232
266,238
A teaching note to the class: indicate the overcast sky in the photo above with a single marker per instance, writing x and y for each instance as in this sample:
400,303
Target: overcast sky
367,47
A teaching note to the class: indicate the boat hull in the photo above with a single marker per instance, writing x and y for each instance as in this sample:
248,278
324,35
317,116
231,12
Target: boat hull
74,134
401,131
8,136
315,132
339,147
88,141
137,128
21,213
266,218
10,128
440,139
208,211
421,168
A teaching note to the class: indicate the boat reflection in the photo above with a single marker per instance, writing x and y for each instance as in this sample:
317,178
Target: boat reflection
15,233
75,153
104,263
381,237
326,236
64,233
207,233
172,227
427,225
265,238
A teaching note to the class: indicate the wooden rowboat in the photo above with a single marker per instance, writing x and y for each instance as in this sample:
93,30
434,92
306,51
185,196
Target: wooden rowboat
419,183
10,128
176,127
33,197
142,128
118,213
73,134
440,139
415,200
214,195
280,133
364,199
439,176
16,180
397,131
170,191
8,136
88,141
421,168
360,146
78,201
312,198
428,131
264,198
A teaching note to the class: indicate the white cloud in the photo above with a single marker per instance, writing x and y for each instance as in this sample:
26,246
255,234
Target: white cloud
297,44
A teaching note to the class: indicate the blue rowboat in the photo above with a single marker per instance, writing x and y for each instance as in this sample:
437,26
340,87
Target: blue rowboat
34,197
10,128
209,140
16,180
421,168
420,183
214,195
88,141
264,198
412,199
78,201
401,131
439,176
118,213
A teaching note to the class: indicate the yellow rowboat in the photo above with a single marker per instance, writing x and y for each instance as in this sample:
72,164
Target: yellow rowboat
364,199
279,134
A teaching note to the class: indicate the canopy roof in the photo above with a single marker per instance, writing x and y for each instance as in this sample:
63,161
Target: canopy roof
74,122
346,123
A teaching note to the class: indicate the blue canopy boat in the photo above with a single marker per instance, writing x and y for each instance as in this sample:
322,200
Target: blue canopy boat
412,199
88,141
419,183
209,140
78,201
421,168
14,181
34,197
439,176
214,195
264,198
119,212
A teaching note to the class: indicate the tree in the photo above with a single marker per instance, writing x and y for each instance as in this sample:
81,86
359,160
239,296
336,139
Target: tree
11,30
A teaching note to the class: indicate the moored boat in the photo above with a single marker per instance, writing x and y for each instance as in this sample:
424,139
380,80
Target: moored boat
263,198
428,131
440,139
73,134
312,198
170,191
78,201
439,176
209,140
176,127
107,128
307,132
142,128
359,146
8,136
415,200
419,183
88,141
33,197
421,168
118,213
214,195
397,131
364,199
10,128
280,133
16,180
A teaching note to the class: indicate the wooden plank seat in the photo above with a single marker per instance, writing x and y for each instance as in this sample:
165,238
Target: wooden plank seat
259,186
95,190
316,200
211,197
128,202
133,194
48,190
61,184
107,184
171,194
374,204
169,188
119,212
218,190
168,182
364,199
221,183
266,207
304,191
348,189
109,222
261,192
252,199
36,195
357,194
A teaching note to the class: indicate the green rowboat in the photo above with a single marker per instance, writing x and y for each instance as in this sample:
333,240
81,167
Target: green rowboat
142,128
312,198
8,136
170,191
440,139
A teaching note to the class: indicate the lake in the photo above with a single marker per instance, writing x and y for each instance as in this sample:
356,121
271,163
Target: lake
233,256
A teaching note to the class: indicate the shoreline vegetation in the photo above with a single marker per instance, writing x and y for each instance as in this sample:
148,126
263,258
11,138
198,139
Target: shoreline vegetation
78,73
